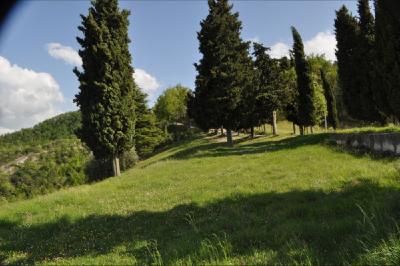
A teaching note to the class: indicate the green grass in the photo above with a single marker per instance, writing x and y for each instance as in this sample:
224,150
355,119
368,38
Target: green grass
272,200
388,129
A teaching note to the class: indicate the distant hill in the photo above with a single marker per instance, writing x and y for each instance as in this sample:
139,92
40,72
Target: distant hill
43,158
59,127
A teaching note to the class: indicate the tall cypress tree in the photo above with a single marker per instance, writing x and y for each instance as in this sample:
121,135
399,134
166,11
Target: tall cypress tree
346,28
332,117
225,69
387,56
305,106
106,96
364,69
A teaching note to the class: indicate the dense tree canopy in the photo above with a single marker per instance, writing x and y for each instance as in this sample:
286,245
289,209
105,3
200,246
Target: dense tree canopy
107,89
224,70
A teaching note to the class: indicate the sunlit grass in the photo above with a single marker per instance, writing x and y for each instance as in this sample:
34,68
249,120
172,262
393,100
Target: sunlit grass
277,200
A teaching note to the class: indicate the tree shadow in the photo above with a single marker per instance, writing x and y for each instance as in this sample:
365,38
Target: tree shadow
269,145
327,224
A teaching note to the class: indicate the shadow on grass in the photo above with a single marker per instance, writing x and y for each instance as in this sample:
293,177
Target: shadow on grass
221,149
325,226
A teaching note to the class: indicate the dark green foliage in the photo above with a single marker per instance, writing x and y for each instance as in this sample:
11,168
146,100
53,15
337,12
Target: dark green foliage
147,134
224,71
289,86
387,56
305,108
332,117
106,96
265,96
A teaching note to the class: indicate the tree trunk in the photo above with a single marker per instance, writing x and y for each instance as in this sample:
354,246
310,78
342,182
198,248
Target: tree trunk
311,130
326,123
294,128
222,131
265,130
252,132
229,137
301,128
116,169
274,127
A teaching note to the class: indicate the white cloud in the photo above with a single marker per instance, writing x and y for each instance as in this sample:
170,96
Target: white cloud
65,53
4,130
26,97
254,39
147,83
279,50
324,43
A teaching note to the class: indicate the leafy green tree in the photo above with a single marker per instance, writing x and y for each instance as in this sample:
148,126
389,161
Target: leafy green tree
224,71
387,57
148,135
106,96
332,117
305,107
171,107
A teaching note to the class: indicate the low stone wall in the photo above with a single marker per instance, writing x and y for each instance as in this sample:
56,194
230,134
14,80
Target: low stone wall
376,142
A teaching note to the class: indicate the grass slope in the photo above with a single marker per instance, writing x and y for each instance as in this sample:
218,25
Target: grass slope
270,200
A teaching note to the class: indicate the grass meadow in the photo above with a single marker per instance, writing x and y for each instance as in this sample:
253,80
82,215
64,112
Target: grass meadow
272,200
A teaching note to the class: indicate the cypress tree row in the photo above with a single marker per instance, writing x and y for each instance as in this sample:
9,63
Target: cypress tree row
346,28
224,71
332,118
106,96
387,60
305,98
365,64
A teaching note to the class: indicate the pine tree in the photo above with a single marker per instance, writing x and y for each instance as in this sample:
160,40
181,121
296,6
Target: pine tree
268,95
224,71
147,134
346,27
106,96
387,57
332,118
305,107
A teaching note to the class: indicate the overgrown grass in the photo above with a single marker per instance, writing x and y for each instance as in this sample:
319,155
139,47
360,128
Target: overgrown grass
388,129
272,200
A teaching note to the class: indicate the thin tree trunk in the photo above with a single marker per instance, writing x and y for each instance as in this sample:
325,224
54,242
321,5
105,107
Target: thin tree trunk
311,130
222,131
116,168
265,130
274,127
301,128
229,137
294,128
326,123
252,132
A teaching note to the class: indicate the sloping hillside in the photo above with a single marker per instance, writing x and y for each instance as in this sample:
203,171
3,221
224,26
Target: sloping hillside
280,200
43,158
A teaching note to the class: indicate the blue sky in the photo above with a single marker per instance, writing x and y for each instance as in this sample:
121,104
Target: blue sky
38,47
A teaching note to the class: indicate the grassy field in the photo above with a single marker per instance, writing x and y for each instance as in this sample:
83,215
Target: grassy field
274,200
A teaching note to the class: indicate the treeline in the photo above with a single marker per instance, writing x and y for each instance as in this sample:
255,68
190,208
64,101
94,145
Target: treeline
368,55
238,90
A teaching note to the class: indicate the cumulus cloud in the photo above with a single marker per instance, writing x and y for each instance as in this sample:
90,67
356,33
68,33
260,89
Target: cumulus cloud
26,97
65,53
324,43
147,83
279,50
